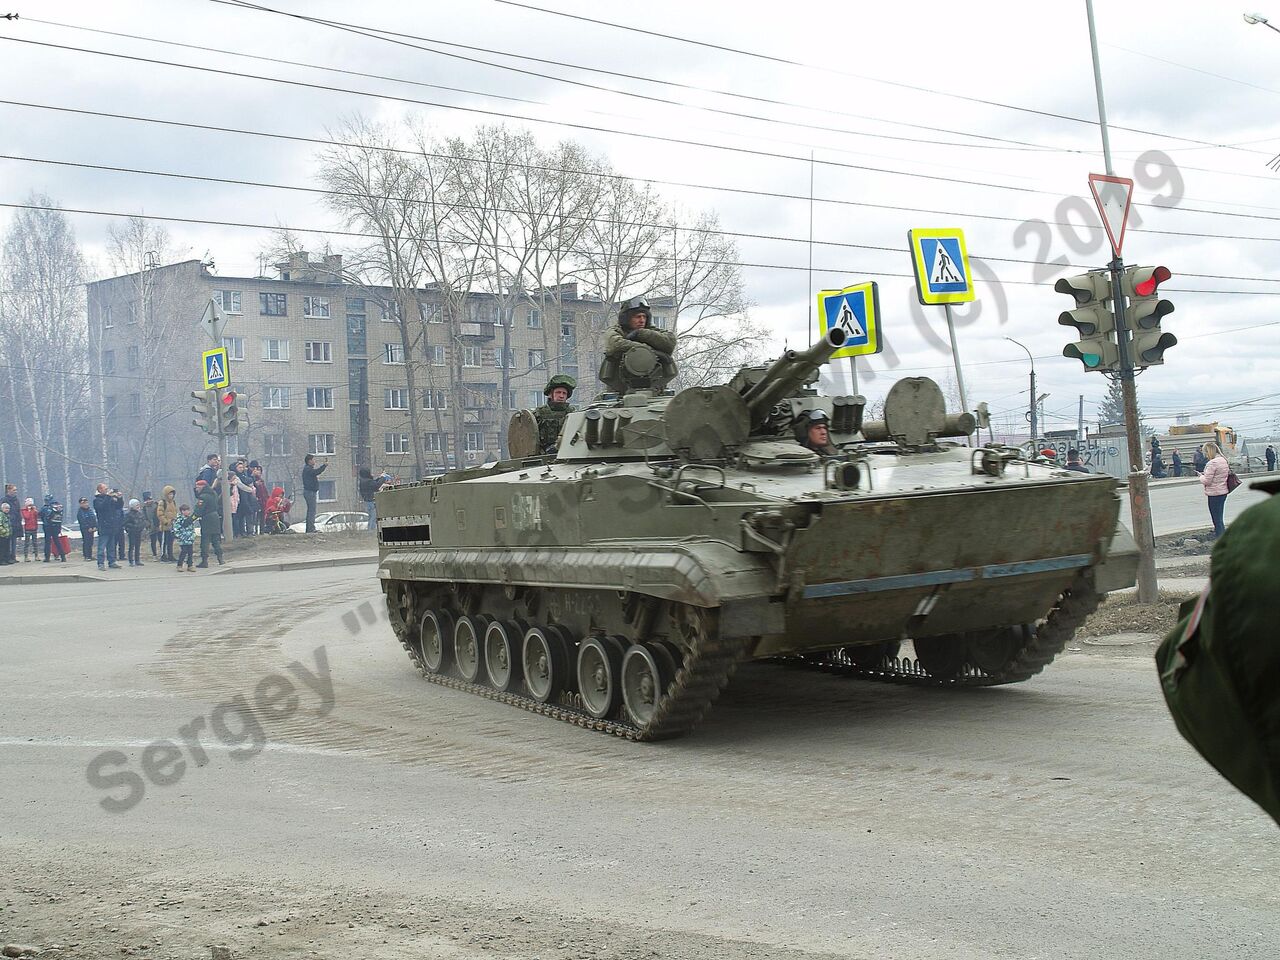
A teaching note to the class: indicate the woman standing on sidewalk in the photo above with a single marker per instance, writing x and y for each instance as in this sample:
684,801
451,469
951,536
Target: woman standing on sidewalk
1214,480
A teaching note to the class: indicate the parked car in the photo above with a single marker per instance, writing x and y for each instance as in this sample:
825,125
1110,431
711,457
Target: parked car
337,522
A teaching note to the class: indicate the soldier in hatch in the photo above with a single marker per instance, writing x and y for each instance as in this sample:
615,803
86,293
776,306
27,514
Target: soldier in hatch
550,415
813,430
633,330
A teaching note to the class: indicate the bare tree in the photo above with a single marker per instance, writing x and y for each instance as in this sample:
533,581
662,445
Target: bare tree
43,336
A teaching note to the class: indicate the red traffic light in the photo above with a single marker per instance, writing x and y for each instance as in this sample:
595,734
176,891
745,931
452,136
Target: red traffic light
228,398
1146,286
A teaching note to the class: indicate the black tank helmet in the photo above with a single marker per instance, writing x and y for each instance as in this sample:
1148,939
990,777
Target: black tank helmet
632,306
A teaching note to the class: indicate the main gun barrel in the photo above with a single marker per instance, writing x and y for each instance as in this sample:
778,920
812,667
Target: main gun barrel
789,372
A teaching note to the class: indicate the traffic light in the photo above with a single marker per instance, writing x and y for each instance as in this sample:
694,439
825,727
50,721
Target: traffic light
228,414
1094,322
206,405
1141,286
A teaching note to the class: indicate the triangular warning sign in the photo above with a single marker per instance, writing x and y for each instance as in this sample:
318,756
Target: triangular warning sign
1112,195
848,320
944,269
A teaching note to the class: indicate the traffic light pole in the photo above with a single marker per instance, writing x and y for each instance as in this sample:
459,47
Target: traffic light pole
226,475
1139,488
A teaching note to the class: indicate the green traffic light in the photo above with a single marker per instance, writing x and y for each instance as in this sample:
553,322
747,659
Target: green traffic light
1090,360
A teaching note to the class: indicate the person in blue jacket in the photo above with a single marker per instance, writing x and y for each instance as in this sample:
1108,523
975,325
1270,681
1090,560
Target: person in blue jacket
88,521
51,520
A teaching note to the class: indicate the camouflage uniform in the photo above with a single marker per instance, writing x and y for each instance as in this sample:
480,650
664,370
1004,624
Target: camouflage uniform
619,341
550,416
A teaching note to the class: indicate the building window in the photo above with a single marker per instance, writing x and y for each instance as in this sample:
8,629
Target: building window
131,309
390,312
315,308
272,304
131,358
234,347
357,329
355,305
435,400
568,329
535,318
318,351
503,357
328,491
276,444
275,398
108,361
431,312
109,406
395,443
569,370
228,300
319,398
658,321
471,355
322,444
275,349
107,322
236,447
393,353
537,358
594,321
436,355
473,441
135,404
535,399
395,398
433,442
511,400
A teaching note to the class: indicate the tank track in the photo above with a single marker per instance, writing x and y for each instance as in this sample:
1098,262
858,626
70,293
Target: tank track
704,672
1046,642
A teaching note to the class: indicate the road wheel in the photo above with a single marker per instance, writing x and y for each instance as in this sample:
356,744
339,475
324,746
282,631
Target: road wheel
437,640
991,651
647,671
502,654
941,657
467,653
545,660
600,675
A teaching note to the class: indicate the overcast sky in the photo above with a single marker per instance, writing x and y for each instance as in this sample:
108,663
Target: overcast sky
885,86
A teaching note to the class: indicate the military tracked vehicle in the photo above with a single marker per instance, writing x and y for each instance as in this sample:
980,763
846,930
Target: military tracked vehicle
619,583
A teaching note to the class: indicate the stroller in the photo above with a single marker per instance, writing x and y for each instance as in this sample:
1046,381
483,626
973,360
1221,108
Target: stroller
275,518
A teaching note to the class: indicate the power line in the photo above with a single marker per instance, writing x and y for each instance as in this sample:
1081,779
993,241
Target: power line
390,36
844,73
659,257
569,216
329,142
749,151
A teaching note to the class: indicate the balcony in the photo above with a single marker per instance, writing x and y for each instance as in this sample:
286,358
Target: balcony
478,329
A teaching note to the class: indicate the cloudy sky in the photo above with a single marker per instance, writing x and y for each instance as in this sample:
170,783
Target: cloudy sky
929,114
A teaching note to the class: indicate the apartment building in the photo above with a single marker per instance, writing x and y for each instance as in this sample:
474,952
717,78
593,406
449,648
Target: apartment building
320,366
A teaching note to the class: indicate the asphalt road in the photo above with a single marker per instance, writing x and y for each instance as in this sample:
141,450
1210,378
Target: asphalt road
1179,505
385,817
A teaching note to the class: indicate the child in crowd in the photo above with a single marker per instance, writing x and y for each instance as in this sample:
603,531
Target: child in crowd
184,531
135,525
30,518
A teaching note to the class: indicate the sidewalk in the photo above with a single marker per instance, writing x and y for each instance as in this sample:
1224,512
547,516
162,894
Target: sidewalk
79,570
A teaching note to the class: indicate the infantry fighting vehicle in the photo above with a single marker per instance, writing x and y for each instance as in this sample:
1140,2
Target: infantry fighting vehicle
618,584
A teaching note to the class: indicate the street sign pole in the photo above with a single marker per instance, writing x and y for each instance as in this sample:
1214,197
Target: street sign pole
226,473
955,356
1139,485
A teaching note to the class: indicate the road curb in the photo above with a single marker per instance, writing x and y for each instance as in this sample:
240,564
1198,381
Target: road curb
299,564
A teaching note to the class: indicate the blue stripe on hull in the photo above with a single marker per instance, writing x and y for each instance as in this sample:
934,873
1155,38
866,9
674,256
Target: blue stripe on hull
936,577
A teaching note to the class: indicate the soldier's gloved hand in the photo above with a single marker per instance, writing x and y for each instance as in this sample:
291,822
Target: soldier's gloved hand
632,334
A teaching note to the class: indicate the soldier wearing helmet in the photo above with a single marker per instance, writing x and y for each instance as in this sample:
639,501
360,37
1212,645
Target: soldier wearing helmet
550,415
813,430
632,331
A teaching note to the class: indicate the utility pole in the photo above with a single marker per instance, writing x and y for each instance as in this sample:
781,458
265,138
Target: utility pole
1031,414
1139,490
1080,422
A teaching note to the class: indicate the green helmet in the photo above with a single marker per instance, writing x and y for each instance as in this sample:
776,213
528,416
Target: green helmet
560,380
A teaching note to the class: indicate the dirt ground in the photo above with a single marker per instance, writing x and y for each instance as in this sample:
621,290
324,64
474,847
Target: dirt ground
1122,613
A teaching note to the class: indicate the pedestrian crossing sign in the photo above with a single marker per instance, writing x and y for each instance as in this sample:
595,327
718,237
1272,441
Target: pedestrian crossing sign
941,266
856,310
217,374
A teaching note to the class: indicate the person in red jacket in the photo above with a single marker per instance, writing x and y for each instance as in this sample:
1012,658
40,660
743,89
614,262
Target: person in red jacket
29,517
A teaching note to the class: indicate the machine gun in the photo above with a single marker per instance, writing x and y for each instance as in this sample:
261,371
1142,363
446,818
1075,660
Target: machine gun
788,374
